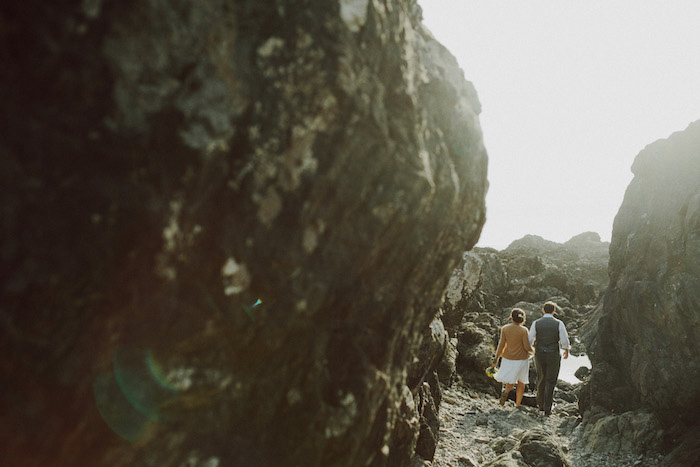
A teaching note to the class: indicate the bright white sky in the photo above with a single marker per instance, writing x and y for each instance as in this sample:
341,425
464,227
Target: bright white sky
571,91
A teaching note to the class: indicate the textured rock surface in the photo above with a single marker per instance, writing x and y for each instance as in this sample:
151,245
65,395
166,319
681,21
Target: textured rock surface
533,270
647,350
540,449
476,431
465,281
539,269
225,226
632,432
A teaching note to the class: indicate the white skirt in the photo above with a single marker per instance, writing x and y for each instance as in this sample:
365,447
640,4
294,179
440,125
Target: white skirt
512,371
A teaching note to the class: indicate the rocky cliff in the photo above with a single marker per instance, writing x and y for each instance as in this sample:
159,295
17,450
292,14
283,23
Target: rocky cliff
646,353
226,226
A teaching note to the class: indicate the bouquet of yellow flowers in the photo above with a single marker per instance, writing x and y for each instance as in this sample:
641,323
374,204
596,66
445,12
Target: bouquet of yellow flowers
490,371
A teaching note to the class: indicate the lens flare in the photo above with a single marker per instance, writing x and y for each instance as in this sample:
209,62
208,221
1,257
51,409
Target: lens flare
117,411
249,309
158,372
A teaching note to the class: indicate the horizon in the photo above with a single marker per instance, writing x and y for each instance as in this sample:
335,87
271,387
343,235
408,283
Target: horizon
570,94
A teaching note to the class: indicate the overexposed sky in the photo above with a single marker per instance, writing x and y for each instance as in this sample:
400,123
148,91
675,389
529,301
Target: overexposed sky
571,91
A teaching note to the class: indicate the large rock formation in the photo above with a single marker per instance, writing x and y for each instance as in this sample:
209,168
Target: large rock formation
538,269
488,284
225,226
646,351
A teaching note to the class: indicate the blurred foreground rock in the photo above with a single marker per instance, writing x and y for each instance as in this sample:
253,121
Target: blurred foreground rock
226,227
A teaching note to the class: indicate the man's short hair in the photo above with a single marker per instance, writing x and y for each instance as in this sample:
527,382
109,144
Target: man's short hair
550,307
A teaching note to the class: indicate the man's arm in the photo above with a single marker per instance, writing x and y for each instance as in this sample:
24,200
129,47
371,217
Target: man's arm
532,334
564,339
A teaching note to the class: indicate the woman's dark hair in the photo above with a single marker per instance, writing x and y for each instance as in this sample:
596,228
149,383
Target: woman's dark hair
517,315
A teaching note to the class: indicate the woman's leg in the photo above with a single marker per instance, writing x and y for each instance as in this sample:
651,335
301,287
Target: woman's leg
504,396
519,391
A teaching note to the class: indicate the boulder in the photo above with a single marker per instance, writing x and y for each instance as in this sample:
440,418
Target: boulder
540,449
636,432
225,227
503,444
508,459
475,352
582,372
566,391
646,333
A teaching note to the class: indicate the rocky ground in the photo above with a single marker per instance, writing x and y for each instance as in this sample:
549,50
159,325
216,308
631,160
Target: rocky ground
476,431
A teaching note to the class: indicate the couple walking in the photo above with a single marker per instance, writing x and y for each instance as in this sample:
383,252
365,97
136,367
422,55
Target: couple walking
546,335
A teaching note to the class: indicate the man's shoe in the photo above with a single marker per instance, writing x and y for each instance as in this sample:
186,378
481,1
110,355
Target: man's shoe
547,413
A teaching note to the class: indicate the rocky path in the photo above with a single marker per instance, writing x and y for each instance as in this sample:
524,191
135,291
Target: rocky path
477,431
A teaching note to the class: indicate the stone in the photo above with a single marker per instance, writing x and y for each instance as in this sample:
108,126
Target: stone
582,372
568,425
481,420
225,227
448,364
635,431
566,391
503,444
475,351
467,462
429,424
508,459
540,449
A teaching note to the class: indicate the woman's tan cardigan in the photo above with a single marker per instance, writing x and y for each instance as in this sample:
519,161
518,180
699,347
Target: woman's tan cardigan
514,343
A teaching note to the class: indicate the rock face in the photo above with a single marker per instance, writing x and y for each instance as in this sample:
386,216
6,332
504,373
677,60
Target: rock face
225,227
635,432
532,270
539,269
647,351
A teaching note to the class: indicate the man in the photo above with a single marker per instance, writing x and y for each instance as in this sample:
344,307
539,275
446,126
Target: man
547,335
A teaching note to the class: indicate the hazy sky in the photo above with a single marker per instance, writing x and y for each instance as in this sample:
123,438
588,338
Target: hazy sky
571,91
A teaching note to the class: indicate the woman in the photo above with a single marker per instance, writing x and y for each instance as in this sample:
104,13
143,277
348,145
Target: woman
514,350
